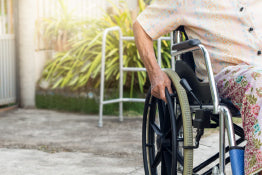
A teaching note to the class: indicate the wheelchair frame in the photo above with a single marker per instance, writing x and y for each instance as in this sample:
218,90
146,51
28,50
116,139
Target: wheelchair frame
225,116
224,113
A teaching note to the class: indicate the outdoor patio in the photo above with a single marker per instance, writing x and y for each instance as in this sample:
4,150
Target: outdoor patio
44,142
40,142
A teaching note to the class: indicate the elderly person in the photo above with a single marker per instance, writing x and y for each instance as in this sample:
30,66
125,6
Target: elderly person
231,30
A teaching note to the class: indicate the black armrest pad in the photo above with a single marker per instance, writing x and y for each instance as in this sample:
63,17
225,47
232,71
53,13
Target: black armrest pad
186,44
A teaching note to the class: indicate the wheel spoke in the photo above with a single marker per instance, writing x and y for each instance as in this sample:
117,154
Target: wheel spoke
161,113
180,158
167,134
157,159
167,123
156,128
169,151
179,122
167,159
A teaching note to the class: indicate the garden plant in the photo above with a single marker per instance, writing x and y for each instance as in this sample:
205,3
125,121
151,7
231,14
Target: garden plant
77,63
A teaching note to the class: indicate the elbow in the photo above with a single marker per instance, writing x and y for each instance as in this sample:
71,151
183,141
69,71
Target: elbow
139,31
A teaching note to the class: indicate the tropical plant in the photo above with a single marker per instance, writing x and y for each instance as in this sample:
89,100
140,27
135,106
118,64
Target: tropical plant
81,64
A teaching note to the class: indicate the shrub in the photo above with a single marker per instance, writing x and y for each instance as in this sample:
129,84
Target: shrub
80,65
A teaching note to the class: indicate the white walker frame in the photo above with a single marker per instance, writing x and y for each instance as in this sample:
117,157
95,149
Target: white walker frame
122,69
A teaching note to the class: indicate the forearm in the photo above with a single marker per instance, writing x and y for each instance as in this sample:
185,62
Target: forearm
144,45
159,80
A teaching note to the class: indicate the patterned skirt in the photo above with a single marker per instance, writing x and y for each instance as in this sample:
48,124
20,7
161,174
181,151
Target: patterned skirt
243,85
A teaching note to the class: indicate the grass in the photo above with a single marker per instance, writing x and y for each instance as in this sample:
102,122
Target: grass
84,104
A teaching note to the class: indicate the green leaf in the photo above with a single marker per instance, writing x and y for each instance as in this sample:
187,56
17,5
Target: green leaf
81,63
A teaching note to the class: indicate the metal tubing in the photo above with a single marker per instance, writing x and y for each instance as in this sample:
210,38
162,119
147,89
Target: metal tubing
121,69
121,76
159,52
178,40
172,57
133,69
128,38
5,69
131,38
100,122
165,38
1,71
176,53
211,79
133,100
221,143
229,125
124,100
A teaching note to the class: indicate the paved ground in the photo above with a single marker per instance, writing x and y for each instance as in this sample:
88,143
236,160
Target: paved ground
41,142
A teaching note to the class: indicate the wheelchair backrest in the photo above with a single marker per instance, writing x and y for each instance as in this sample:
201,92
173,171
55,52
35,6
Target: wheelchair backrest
185,68
187,57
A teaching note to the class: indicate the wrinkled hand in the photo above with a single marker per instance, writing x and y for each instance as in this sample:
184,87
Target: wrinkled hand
159,81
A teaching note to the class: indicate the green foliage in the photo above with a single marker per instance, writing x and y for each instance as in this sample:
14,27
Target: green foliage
81,64
76,103
65,103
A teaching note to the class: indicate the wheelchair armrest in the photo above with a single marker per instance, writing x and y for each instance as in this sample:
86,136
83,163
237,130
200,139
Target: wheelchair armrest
188,44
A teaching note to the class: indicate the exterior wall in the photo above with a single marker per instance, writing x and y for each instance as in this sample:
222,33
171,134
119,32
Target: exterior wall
80,8
26,51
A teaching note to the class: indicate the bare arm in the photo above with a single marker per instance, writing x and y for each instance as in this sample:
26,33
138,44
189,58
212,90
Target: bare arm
159,80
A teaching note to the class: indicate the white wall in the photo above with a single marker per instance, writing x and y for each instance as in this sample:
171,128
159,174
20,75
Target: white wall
80,8
26,50
132,4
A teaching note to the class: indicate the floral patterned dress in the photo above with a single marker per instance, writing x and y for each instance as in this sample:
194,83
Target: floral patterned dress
243,85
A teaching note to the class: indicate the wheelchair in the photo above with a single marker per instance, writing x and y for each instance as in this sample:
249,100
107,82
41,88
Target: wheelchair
168,140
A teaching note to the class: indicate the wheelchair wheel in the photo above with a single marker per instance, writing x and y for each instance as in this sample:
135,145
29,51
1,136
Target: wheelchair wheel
167,128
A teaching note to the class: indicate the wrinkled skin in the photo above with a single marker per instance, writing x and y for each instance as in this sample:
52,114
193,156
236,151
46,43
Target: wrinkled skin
158,79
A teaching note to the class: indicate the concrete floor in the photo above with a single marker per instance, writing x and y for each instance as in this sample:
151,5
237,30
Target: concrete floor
41,142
